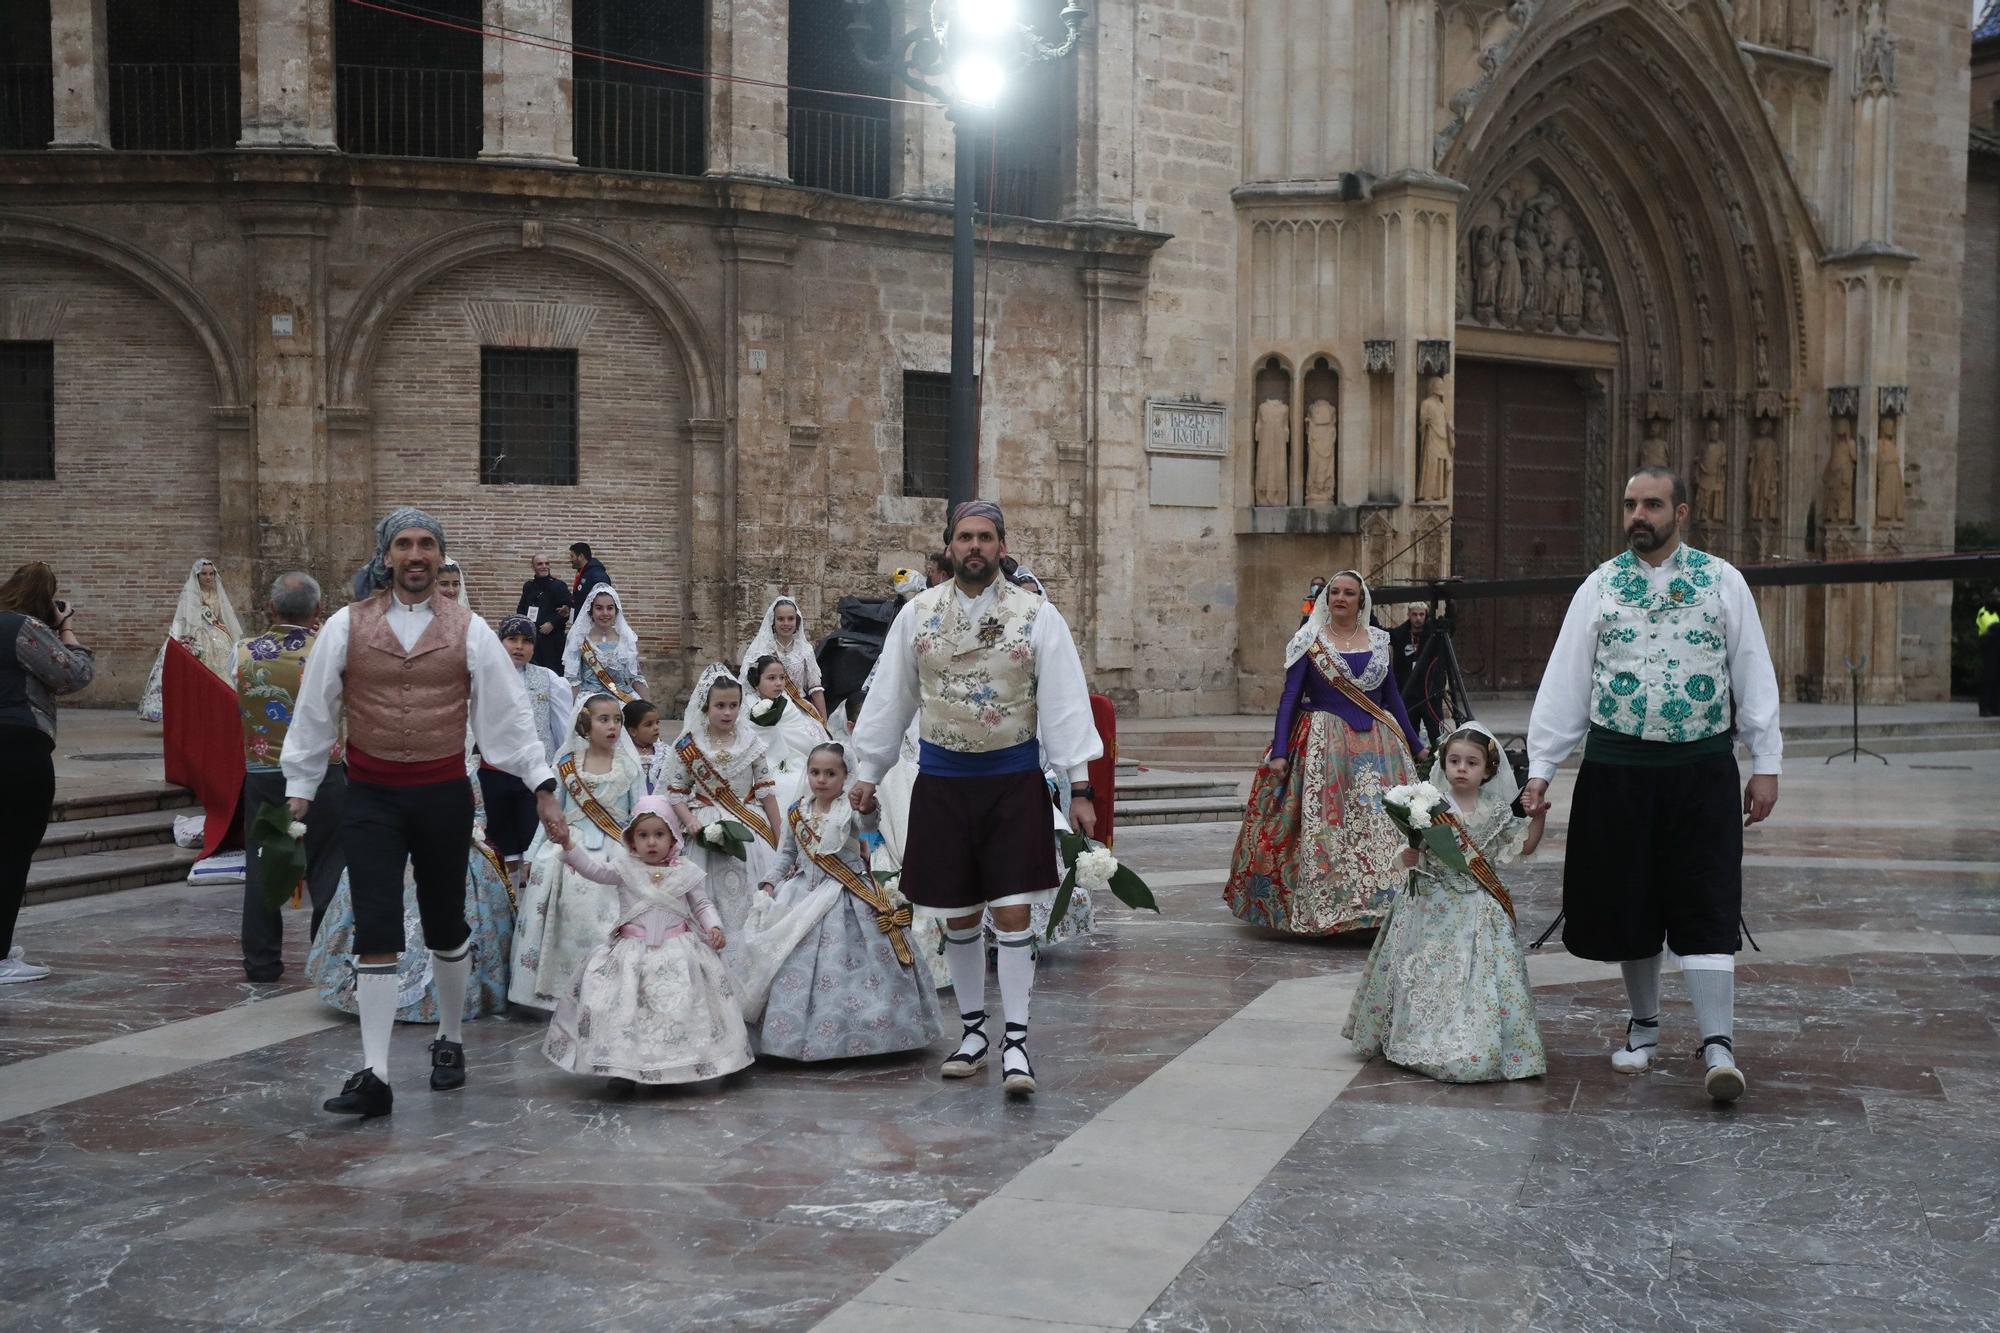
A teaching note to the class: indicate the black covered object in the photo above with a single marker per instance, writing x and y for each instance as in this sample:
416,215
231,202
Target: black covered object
848,654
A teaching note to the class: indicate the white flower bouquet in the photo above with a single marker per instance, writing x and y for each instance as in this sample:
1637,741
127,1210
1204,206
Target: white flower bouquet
1414,808
766,712
1092,865
728,837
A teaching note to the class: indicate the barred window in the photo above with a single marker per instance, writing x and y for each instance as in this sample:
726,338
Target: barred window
27,411
527,416
926,434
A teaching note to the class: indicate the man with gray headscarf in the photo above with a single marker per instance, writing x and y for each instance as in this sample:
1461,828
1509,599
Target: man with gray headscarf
410,670
269,667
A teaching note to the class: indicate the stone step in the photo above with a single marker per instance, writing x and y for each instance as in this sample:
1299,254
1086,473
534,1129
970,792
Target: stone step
90,873
1158,785
1211,810
78,837
137,798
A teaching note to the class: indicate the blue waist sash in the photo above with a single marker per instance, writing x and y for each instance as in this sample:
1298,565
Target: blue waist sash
942,763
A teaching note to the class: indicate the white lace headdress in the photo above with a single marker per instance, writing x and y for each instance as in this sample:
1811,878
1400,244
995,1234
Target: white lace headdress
579,629
1302,642
767,644
187,610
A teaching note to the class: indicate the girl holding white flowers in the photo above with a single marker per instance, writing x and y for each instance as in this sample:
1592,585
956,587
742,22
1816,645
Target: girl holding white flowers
1445,991
653,1002
788,731
854,985
716,771
564,915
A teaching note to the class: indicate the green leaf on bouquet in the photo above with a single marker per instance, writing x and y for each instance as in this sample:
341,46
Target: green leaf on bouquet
1060,908
1128,888
1442,843
735,839
770,719
279,859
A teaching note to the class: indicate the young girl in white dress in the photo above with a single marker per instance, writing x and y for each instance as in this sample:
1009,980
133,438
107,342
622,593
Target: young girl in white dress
602,655
563,916
1445,991
652,1003
642,724
790,736
715,771
783,635
855,983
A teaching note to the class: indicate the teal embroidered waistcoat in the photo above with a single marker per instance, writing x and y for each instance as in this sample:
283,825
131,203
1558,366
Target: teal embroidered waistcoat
1662,666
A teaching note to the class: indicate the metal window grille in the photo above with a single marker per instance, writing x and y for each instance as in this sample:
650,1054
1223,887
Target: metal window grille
837,143
175,84
27,76
926,435
527,417
1016,177
27,411
633,119
405,87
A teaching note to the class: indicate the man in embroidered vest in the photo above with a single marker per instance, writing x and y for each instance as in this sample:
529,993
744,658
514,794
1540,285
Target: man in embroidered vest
993,673
1658,645
410,669
269,667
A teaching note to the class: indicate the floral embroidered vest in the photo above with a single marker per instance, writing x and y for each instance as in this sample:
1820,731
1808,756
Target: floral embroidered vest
977,680
1662,668
268,670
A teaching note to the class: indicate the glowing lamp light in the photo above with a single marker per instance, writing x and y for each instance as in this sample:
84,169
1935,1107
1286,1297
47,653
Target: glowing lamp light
986,19
978,80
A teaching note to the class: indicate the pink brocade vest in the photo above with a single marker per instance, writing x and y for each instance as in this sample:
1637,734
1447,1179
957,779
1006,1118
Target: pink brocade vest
407,707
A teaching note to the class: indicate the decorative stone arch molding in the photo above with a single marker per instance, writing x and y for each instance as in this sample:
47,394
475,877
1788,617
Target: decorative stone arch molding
150,275
353,351
1640,125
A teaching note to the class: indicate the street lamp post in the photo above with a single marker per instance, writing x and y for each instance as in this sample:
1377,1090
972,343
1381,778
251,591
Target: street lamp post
964,57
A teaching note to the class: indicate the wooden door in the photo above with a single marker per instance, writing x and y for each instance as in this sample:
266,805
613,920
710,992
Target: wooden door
1517,511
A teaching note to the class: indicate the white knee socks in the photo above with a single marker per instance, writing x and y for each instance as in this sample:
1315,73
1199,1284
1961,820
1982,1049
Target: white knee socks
450,972
1711,983
375,995
1642,988
965,955
1016,965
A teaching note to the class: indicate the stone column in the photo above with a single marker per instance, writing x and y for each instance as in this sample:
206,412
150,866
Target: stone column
748,133
293,468
1101,190
924,165
528,89
1413,85
1115,459
287,59
79,43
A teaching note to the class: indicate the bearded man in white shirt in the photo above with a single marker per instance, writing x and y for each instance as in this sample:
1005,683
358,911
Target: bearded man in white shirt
410,669
1662,665
994,676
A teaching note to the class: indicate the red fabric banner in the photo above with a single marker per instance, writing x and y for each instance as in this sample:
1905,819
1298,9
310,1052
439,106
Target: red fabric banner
1104,770
203,733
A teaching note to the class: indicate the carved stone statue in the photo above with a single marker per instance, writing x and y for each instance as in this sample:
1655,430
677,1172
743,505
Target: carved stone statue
1704,323
1764,471
1508,299
1533,299
1552,289
1654,451
1271,481
1464,284
1595,317
1570,308
1888,471
1763,362
1711,477
1322,433
1485,274
1836,484
1436,444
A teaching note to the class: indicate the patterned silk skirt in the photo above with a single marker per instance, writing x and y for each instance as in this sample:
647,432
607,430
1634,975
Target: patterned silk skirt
1316,855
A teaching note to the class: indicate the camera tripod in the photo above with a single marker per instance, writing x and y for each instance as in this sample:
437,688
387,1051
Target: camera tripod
1436,687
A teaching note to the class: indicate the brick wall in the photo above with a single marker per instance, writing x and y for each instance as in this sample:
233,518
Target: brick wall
135,445
631,414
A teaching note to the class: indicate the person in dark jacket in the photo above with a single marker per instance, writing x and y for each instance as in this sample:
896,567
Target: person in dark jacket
545,599
1405,642
39,659
590,572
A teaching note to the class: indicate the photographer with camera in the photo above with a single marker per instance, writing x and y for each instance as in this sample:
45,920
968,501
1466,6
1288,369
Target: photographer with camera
39,658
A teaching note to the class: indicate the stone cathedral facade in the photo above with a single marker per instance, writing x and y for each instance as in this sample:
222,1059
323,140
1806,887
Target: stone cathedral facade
1274,287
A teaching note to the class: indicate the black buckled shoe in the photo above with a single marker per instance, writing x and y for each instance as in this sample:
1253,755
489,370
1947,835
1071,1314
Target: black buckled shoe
447,1065
364,1095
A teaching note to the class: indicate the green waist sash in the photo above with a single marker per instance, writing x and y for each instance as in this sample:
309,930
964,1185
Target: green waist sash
1605,746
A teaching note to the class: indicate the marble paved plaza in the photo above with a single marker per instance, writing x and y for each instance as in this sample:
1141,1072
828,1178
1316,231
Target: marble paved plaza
1205,1155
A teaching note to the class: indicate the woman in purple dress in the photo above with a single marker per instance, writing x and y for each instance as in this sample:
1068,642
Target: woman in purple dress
1316,855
